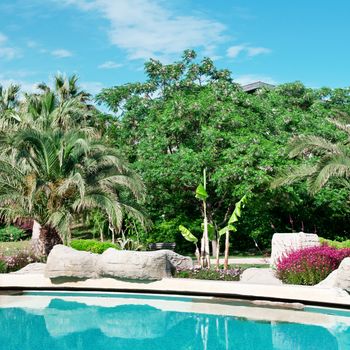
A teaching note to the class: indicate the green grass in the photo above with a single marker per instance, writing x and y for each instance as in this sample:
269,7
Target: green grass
248,266
11,248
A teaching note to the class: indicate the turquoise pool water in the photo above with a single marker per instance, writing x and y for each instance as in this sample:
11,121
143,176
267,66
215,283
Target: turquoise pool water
47,321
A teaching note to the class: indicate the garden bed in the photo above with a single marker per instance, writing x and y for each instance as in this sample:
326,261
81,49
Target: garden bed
233,273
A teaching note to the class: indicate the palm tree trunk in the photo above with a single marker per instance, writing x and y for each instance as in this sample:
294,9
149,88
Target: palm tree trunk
44,238
37,245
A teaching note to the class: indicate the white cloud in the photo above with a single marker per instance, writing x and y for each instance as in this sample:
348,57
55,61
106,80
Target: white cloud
254,51
146,28
25,85
110,65
7,52
234,51
32,44
61,53
251,51
3,38
252,78
93,87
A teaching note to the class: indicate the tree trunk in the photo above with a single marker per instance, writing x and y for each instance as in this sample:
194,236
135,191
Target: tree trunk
214,244
44,238
217,251
206,238
227,246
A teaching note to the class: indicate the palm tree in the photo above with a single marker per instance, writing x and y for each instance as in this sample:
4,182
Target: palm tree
324,160
55,176
8,105
66,88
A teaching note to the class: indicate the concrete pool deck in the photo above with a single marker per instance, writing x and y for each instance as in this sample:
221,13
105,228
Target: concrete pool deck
177,286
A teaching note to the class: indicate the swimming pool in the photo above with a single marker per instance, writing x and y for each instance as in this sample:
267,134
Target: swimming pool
94,321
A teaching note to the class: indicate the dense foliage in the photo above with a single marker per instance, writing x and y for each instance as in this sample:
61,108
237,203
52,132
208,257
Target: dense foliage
11,234
55,168
92,246
189,116
309,266
83,173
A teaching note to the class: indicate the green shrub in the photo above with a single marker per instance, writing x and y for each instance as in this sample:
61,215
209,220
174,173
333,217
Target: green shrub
3,266
335,244
11,234
90,245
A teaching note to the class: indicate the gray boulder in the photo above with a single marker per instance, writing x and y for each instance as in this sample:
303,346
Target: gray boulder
343,275
34,268
132,265
179,262
256,275
330,281
66,262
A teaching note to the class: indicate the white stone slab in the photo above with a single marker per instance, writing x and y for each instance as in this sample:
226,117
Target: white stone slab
284,243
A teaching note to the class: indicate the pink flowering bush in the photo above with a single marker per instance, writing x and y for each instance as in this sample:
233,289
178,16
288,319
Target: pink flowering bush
310,266
18,261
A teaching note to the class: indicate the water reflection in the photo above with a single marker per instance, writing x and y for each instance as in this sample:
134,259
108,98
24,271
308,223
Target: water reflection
74,325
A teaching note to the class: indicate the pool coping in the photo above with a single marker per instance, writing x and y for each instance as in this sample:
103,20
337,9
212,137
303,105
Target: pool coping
329,297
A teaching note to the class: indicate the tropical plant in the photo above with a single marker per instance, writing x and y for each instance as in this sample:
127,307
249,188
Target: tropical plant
234,218
66,88
323,160
201,194
187,234
56,176
204,254
8,105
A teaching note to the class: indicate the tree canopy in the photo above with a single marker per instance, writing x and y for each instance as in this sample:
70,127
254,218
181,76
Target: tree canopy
189,115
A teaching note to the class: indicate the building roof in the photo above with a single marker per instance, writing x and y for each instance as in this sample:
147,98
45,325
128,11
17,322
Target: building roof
250,88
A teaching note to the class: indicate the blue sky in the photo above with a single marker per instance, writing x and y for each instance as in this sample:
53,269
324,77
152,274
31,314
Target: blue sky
106,42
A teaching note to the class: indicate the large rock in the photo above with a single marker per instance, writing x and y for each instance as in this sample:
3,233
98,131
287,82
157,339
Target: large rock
179,262
66,262
283,243
339,278
256,275
34,268
343,275
132,265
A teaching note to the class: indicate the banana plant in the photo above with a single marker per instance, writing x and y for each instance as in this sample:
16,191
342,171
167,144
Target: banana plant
189,236
230,227
201,194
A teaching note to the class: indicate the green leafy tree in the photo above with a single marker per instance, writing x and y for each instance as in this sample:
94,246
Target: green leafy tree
189,115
